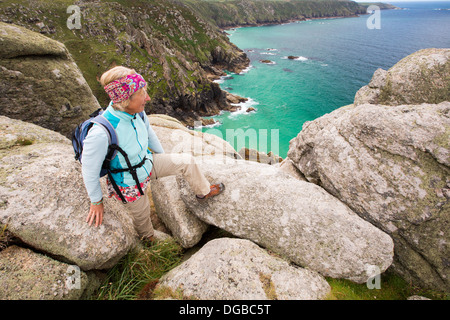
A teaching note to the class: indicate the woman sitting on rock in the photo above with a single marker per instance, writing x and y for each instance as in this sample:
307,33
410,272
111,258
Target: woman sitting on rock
128,92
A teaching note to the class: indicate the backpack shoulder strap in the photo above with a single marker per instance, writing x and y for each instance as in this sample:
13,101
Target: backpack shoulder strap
111,132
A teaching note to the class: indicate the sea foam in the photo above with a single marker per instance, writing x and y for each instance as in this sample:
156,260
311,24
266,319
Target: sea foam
243,107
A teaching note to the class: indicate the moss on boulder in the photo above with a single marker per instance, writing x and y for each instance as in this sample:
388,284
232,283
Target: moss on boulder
423,76
40,82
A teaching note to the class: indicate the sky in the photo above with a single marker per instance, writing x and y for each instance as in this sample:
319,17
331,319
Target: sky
387,1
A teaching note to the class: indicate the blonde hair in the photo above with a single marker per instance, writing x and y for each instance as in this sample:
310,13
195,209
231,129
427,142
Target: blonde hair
117,73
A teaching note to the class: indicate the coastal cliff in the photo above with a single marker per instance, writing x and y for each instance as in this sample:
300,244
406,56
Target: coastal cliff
176,45
172,47
233,13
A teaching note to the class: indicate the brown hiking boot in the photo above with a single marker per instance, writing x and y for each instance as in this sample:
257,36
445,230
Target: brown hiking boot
216,189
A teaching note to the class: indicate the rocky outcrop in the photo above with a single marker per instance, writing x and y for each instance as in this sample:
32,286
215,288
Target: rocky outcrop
40,82
44,202
421,77
237,269
27,275
186,227
289,167
296,219
262,157
243,213
390,164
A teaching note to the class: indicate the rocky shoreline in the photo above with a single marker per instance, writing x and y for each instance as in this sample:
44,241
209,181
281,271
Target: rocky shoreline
256,13
262,24
215,76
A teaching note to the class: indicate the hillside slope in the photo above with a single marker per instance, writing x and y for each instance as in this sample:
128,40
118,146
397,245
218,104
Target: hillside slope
176,45
233,13
168,44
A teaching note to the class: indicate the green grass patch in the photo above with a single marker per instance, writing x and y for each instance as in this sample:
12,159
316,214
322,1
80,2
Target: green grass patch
137,274
391,287
139,271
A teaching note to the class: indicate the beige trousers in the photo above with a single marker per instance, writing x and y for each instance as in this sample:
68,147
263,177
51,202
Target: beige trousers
166,165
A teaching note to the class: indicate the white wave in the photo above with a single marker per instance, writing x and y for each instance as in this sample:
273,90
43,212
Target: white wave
246,70
270,62
215,124
243,107
269,53
223,78
300,58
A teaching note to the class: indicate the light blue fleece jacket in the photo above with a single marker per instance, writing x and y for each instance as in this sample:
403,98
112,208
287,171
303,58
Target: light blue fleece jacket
135,136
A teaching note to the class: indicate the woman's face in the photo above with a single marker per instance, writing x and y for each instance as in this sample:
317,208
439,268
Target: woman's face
138,101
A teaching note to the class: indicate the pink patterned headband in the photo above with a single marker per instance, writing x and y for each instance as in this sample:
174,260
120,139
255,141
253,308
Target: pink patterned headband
122,89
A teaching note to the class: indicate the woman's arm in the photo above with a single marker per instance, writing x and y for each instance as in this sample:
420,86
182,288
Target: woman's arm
94,152
153,141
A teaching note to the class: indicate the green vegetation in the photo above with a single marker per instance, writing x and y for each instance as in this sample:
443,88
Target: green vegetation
144,35
6,238
3,234
392,287
252,12
136,274
381,5
172,43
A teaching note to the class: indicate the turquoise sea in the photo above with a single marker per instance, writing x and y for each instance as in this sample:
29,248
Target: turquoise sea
336,57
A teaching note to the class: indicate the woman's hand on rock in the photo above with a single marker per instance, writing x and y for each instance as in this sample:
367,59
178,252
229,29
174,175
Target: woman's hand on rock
95,214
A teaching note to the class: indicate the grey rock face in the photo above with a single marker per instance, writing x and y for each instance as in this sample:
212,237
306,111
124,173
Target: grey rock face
238,269
186,228
26,275
418,78
294,218
44,202
40,82
391,165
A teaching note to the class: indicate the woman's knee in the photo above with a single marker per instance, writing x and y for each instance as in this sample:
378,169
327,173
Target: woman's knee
183,159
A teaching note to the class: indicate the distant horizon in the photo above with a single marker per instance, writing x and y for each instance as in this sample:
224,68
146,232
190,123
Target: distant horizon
402,1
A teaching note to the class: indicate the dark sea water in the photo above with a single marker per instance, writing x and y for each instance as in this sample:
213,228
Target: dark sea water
336,57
